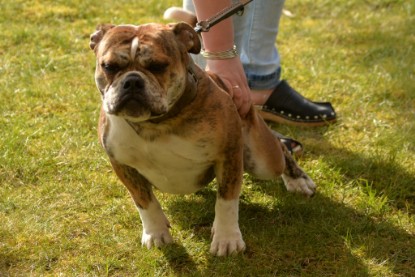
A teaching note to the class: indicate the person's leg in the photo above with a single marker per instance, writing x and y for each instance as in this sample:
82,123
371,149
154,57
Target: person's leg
256,32
188,6
255,37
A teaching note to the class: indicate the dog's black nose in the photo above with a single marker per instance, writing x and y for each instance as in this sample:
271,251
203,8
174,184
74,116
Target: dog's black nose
132,84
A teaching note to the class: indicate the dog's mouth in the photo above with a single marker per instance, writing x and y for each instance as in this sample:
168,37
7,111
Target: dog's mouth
130,102
134,106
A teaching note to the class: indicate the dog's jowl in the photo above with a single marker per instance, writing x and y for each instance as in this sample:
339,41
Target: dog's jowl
166,123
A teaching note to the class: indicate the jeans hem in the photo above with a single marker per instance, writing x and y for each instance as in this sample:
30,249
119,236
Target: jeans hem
262,82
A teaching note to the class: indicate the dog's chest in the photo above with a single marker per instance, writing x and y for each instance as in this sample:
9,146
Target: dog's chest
171,163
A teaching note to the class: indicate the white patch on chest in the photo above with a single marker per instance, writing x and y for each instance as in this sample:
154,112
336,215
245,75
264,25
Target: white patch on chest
170,163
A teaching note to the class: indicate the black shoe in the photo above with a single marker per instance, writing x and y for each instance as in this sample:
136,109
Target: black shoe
286,106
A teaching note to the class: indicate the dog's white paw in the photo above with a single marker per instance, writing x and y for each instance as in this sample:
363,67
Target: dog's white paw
226,236
155,226
302,184
156,238
226,243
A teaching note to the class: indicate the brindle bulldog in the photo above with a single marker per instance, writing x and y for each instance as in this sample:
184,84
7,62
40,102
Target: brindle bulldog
167,123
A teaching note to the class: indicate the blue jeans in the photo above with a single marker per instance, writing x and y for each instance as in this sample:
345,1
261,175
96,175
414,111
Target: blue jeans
255,35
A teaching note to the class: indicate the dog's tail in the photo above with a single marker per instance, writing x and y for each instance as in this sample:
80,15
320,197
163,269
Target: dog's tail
179,14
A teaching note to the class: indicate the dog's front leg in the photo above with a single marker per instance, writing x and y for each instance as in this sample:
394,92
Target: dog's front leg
155,224
227,238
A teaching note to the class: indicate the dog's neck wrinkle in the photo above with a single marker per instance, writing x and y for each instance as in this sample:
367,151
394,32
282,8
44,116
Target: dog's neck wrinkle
186,98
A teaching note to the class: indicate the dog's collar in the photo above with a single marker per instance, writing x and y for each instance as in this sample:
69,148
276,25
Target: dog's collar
187,97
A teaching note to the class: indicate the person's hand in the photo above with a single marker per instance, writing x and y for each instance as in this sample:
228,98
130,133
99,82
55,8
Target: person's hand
232,74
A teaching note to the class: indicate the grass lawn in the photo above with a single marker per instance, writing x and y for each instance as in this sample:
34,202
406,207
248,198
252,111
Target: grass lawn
63,211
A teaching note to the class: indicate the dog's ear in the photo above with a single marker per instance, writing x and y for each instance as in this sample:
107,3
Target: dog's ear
187,35
99,33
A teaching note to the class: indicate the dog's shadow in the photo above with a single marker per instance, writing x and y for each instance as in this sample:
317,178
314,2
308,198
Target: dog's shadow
294,235
179,259
382,171
379,171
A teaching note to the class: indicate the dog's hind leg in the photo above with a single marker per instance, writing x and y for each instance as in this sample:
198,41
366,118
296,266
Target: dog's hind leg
295,179
267,158
263,154
155,224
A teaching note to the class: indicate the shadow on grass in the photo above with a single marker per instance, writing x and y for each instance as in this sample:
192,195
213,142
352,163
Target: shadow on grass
298,236
179,260
381,171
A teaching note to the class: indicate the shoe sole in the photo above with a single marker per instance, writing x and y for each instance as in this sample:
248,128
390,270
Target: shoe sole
267,116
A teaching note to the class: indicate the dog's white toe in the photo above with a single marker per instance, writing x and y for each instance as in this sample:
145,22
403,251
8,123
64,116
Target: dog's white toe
156,238
155,226
226,236
302,184
227,245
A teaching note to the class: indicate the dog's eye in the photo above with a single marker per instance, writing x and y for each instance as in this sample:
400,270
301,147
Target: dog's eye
110,68
157,67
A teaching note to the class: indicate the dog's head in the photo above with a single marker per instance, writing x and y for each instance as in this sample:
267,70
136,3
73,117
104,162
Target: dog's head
141,71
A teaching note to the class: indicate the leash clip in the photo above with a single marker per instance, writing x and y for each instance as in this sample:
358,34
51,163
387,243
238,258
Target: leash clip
237,8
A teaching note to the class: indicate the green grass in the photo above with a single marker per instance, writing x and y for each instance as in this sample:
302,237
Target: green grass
63,211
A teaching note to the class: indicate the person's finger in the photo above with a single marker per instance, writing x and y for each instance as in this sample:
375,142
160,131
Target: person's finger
241,99
236,95
229,88
244,108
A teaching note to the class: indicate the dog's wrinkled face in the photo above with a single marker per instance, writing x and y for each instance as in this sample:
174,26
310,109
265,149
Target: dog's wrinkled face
142,70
